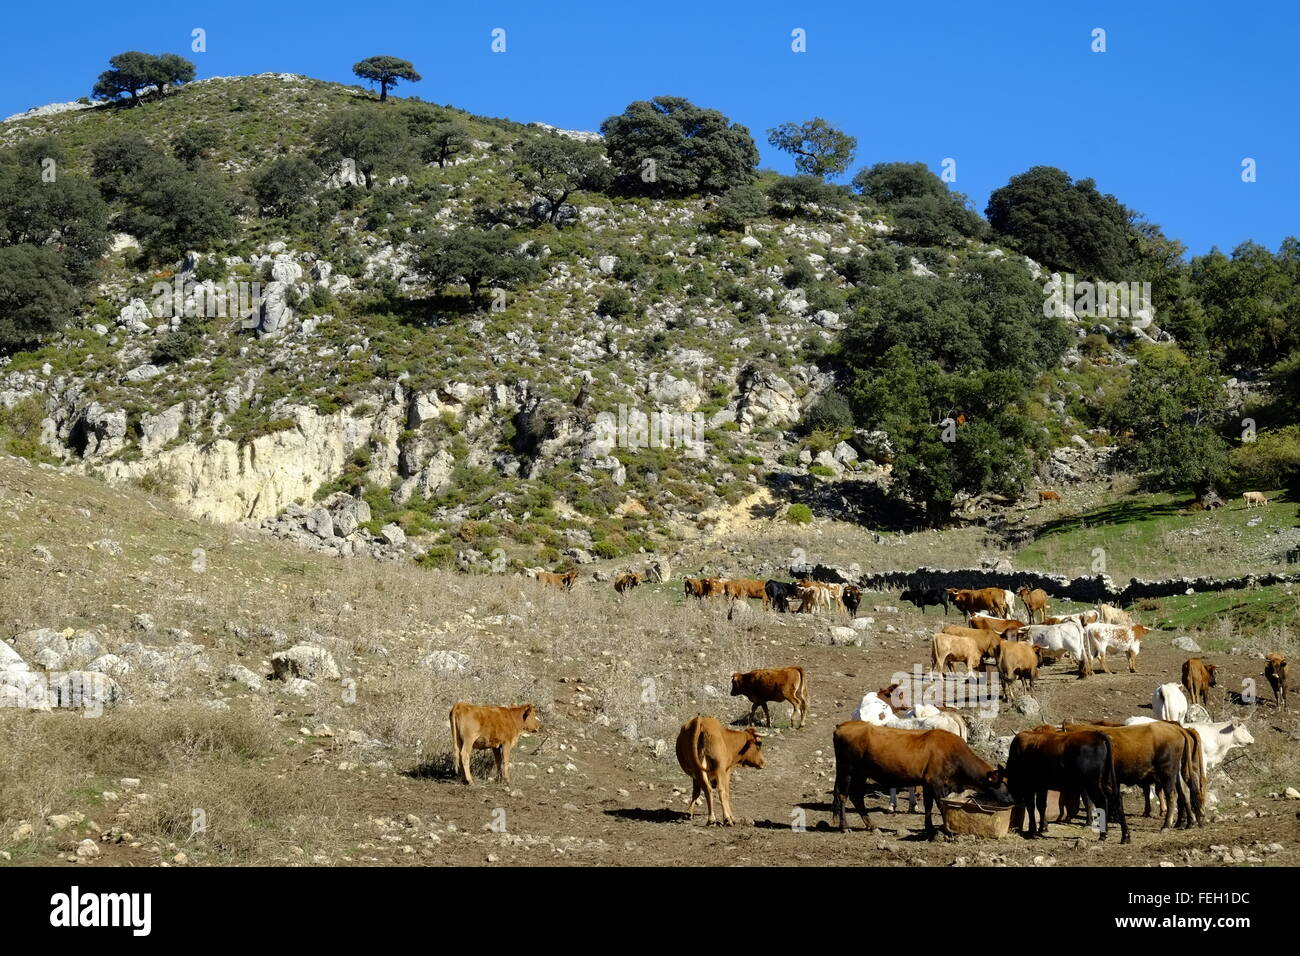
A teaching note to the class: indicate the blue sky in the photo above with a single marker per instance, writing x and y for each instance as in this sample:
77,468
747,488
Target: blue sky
1163,119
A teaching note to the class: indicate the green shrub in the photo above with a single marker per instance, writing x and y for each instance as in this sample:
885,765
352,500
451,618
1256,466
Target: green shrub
798,514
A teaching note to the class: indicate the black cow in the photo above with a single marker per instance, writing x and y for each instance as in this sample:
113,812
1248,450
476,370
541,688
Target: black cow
779,594
923,597
852,599
1078,761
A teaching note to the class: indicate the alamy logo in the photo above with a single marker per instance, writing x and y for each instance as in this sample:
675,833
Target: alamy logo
1065,296
185,298
74,909
633,429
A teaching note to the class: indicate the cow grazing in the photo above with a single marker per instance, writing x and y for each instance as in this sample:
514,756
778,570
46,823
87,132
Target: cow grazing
924,597
969,601
1035,601
1254,498
774,684
1103,638
1162,755
779,595
896,758
1198,678
626,582
488,728
948,649
693,587
561,582
1048,496
708,752
1069,762
1018,661
1275,674
1109,614
1056,638
1168,702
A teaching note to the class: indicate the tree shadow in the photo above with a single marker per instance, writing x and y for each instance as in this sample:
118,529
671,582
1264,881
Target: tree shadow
850,499
1119,513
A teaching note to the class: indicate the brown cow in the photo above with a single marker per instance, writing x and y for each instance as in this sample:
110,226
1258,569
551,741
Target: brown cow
987,640
488,728
708,752
1156,754
1047,496
773,684
952,648
693,587
1080,761
998,625
563,582
740,588
1035,601
897,758
1018,661
1198,678
993,600
1275,673
626,582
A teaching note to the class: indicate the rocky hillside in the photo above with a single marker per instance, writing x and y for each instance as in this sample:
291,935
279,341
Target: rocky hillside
339,400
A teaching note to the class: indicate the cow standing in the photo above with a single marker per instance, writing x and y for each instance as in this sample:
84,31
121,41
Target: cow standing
1075,762
708,752
1275,674
775,684
488,728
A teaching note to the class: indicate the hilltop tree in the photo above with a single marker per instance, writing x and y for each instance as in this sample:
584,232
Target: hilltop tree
133,72
818,148
670,146
554,166
386,71
130,72
1065,224
374,141
477,257
889,183
170,69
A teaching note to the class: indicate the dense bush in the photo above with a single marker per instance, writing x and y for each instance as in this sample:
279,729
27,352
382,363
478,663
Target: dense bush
669,146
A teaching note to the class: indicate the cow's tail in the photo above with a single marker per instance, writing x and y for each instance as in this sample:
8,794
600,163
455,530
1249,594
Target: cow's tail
1114,796
455,741
934,652
801,689
698,745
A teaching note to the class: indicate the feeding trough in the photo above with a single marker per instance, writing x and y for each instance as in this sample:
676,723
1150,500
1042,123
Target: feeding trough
973,814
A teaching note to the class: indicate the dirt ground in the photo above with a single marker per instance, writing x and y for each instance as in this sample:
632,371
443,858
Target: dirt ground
582,794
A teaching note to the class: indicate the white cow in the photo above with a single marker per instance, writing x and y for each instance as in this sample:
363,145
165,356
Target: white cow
1103,638
1169,703
1218,739
1011,604
1059,637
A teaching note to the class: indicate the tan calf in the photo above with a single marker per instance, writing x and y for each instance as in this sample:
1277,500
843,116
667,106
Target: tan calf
488,728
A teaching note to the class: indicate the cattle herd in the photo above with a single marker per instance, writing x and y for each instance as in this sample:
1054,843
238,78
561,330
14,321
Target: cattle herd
900,746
